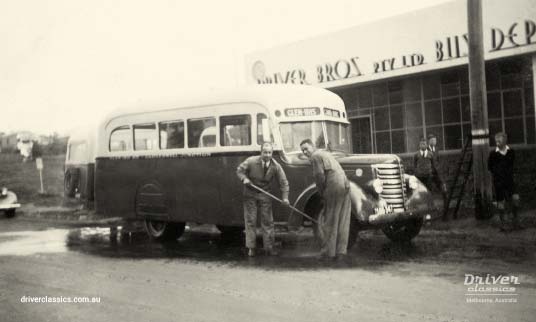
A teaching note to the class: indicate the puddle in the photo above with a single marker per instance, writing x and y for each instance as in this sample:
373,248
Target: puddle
26,243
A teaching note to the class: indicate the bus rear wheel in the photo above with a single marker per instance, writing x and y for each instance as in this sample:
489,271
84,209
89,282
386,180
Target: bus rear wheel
164,231
71,182
403,231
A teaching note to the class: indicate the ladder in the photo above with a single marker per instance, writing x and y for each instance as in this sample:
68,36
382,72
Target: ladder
457,187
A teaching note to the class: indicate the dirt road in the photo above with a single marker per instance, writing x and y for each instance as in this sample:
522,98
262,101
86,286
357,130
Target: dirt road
203,277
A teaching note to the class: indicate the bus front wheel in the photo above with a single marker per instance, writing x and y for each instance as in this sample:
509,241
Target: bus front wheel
319,232
164,231
403,231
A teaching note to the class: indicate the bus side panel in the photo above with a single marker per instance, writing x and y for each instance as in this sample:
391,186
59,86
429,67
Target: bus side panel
115,185
232,213
191,184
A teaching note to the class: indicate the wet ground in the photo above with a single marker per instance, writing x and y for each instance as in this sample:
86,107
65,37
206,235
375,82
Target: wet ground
206,277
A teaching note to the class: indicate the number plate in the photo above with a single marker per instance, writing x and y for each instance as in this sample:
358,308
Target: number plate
383,210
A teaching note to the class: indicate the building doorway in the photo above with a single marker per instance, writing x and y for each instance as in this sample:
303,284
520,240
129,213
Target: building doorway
361,134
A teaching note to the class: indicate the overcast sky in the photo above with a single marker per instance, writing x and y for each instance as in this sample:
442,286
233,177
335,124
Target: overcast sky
64,64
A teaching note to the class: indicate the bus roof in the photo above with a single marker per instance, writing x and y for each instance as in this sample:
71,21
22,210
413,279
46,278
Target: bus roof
270,96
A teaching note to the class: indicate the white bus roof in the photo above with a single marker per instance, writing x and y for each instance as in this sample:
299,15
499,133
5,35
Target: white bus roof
271,96
86,135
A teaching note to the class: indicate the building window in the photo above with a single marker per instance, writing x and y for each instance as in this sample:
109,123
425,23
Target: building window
438,103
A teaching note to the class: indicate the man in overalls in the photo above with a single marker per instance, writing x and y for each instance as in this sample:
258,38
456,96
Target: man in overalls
333,186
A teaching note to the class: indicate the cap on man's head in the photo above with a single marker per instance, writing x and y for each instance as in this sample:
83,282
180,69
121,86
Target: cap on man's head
431,136
423,139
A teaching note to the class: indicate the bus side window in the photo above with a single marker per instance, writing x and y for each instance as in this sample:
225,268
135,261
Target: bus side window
263,129
145,137
120,139
235,130
202,132
171,134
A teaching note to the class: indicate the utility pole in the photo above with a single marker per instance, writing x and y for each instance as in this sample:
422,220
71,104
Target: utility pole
479,111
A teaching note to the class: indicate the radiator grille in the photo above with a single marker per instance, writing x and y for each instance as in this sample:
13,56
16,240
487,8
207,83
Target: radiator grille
393,185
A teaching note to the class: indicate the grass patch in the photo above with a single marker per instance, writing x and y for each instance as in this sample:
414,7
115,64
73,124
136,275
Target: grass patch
23,179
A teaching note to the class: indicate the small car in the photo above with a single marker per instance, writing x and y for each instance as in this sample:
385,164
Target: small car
8,202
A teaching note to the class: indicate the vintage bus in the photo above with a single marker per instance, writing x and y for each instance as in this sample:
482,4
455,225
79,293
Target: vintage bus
172,162
80,164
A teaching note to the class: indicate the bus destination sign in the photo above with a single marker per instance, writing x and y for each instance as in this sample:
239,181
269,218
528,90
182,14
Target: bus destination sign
302,111
331,112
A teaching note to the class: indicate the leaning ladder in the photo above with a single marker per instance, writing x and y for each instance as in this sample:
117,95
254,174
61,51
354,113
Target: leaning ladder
457,187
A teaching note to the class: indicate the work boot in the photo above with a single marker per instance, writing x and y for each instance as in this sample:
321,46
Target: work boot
251,252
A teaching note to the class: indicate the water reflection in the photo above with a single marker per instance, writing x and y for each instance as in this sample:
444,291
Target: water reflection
32,242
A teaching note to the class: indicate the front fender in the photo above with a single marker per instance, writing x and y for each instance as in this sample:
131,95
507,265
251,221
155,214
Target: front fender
363,203
419,198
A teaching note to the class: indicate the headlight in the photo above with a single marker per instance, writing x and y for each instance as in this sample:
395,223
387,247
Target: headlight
413,182
377,185
4,191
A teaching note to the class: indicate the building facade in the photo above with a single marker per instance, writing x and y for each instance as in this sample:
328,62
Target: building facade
407,77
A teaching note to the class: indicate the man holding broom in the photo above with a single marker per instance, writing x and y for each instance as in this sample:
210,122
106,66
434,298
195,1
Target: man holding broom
260,171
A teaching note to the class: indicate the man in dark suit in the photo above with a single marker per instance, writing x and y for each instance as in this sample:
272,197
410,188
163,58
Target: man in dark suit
501,165
437,178
261,171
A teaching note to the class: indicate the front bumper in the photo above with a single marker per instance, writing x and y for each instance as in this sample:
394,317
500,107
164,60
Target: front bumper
9,206
386,218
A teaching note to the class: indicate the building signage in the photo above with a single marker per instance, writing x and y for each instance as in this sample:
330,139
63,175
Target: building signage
509,29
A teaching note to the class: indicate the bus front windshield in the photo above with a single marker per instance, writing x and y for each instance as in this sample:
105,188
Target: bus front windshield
293,133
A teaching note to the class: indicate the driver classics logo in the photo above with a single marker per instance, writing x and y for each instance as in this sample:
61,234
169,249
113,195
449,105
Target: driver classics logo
491,288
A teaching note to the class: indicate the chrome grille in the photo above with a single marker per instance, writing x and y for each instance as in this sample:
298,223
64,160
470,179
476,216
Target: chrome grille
393,185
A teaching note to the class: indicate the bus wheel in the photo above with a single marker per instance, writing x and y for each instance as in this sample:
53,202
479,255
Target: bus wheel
70,182
319,233
164,231
230,231
403,231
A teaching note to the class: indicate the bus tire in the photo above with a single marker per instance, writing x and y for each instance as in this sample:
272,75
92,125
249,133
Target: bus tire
230,231
353,230
403,232
10,213
164,231
71,182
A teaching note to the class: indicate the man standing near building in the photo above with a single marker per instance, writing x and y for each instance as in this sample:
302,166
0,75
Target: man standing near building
333,186
501,165
261,171
423,164
437,178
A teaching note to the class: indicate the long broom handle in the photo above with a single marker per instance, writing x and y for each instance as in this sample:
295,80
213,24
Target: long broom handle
281,201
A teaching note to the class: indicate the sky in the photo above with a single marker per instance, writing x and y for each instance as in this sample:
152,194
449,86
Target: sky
66,64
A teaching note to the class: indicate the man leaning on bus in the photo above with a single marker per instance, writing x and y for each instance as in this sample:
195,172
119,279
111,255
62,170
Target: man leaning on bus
261,171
